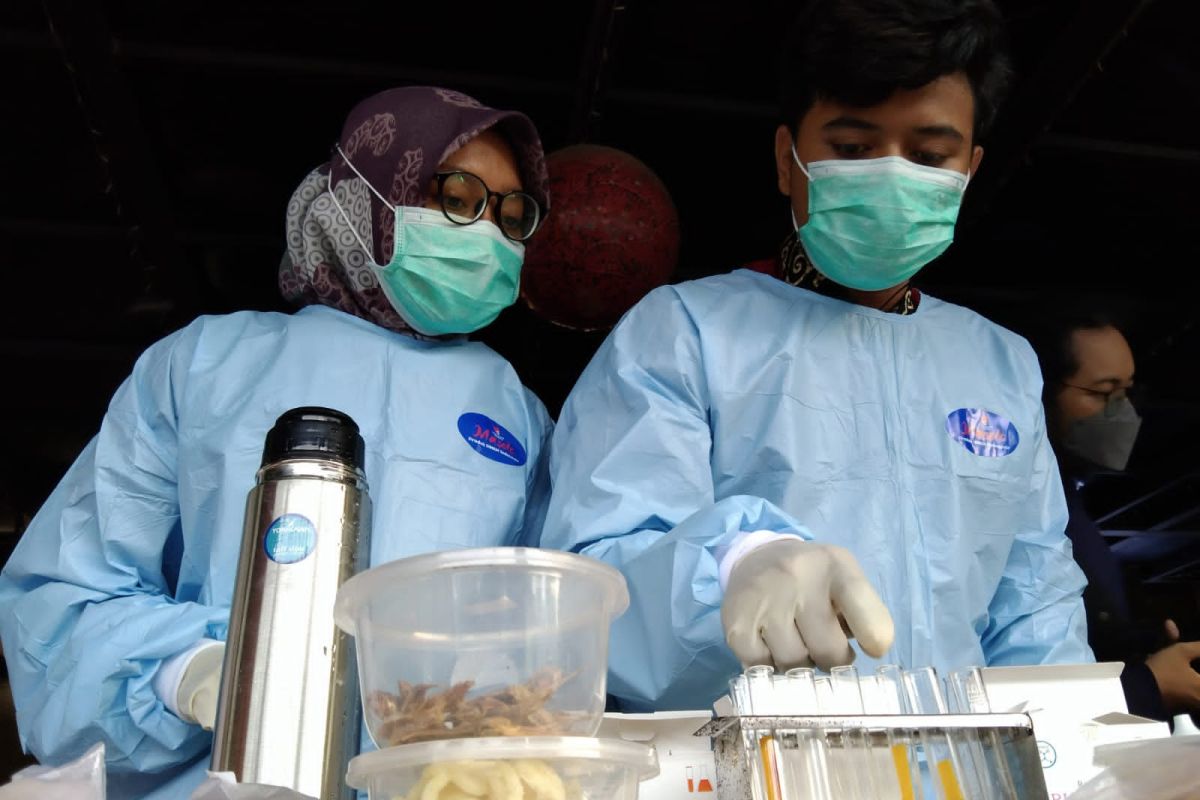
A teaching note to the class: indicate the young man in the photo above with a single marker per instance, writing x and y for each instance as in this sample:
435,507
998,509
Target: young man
777,464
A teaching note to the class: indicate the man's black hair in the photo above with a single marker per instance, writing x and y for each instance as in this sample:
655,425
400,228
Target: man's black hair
860,52
1052,338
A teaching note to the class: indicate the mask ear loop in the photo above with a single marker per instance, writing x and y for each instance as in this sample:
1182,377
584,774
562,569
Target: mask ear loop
796,158
342,211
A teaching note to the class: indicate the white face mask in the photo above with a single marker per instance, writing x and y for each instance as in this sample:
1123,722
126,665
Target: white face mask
1106,439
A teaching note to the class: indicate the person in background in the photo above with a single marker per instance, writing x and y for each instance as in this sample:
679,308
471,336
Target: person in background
1088,375
116,600
781,463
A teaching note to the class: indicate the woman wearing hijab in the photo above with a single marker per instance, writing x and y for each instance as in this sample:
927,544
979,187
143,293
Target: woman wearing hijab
117,597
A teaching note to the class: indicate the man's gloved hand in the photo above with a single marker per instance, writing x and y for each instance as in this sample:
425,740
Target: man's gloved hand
791,603
199,687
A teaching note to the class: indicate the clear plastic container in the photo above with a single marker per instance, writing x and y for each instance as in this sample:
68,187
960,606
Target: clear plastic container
477,643
513,768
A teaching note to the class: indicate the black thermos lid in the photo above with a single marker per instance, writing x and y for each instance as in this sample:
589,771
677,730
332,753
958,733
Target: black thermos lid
314,432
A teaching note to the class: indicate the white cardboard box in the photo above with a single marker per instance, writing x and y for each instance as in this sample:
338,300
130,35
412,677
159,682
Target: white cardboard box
687,770
1075,708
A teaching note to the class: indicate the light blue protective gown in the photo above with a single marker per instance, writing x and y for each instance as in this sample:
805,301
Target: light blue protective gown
740,403
133,557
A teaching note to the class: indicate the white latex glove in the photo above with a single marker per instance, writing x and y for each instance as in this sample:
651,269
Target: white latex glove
199,687
791,603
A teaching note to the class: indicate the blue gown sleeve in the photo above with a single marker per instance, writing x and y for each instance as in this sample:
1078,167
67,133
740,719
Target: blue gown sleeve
632,486
1036,615
537,487
88,615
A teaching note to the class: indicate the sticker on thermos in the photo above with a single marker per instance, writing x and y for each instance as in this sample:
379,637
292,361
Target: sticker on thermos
290,539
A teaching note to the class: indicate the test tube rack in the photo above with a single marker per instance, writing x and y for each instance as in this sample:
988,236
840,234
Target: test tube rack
779,757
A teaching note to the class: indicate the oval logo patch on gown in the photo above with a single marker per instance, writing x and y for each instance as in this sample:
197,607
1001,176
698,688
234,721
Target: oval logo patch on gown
491,439
982,432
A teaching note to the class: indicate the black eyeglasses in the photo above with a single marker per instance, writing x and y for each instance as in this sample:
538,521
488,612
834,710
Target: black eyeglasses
464,198
1133,393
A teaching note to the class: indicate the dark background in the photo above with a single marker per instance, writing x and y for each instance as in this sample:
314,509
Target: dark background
150,149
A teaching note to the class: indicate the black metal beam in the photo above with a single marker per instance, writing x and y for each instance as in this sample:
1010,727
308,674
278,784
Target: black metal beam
270,63
1150,546
145,54
35,228
1147,497
693,103
1076,55
60,351
1121,534
598,48
1187,573
1170,523
1105,148
81,34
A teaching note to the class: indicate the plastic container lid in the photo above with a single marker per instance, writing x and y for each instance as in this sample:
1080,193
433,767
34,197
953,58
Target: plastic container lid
357,589
635,756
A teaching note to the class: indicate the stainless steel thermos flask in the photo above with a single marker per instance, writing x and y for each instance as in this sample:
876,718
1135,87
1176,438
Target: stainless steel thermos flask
289,712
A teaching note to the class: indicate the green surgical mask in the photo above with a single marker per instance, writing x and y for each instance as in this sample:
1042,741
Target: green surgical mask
445,278
874,223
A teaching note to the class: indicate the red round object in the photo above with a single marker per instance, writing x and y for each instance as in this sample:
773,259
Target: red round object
611,236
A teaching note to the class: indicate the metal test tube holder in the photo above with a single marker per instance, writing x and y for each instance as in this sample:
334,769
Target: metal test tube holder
736,775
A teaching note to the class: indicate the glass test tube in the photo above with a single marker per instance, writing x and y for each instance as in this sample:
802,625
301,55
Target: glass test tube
800,692
847,694
968,695
761,686
762,690
739,693
892,699
805,759
882,759
924,692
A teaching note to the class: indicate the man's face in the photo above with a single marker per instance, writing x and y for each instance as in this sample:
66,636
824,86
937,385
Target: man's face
932,125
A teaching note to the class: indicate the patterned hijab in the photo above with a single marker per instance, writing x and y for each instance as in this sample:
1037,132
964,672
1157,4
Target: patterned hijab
396,139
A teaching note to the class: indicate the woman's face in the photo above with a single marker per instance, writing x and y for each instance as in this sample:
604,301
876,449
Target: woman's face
489,157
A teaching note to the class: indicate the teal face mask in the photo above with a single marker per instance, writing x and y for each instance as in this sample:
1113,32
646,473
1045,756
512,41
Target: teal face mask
873,223
445,278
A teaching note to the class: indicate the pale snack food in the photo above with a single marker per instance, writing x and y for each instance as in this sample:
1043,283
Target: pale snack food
505,768
525,779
